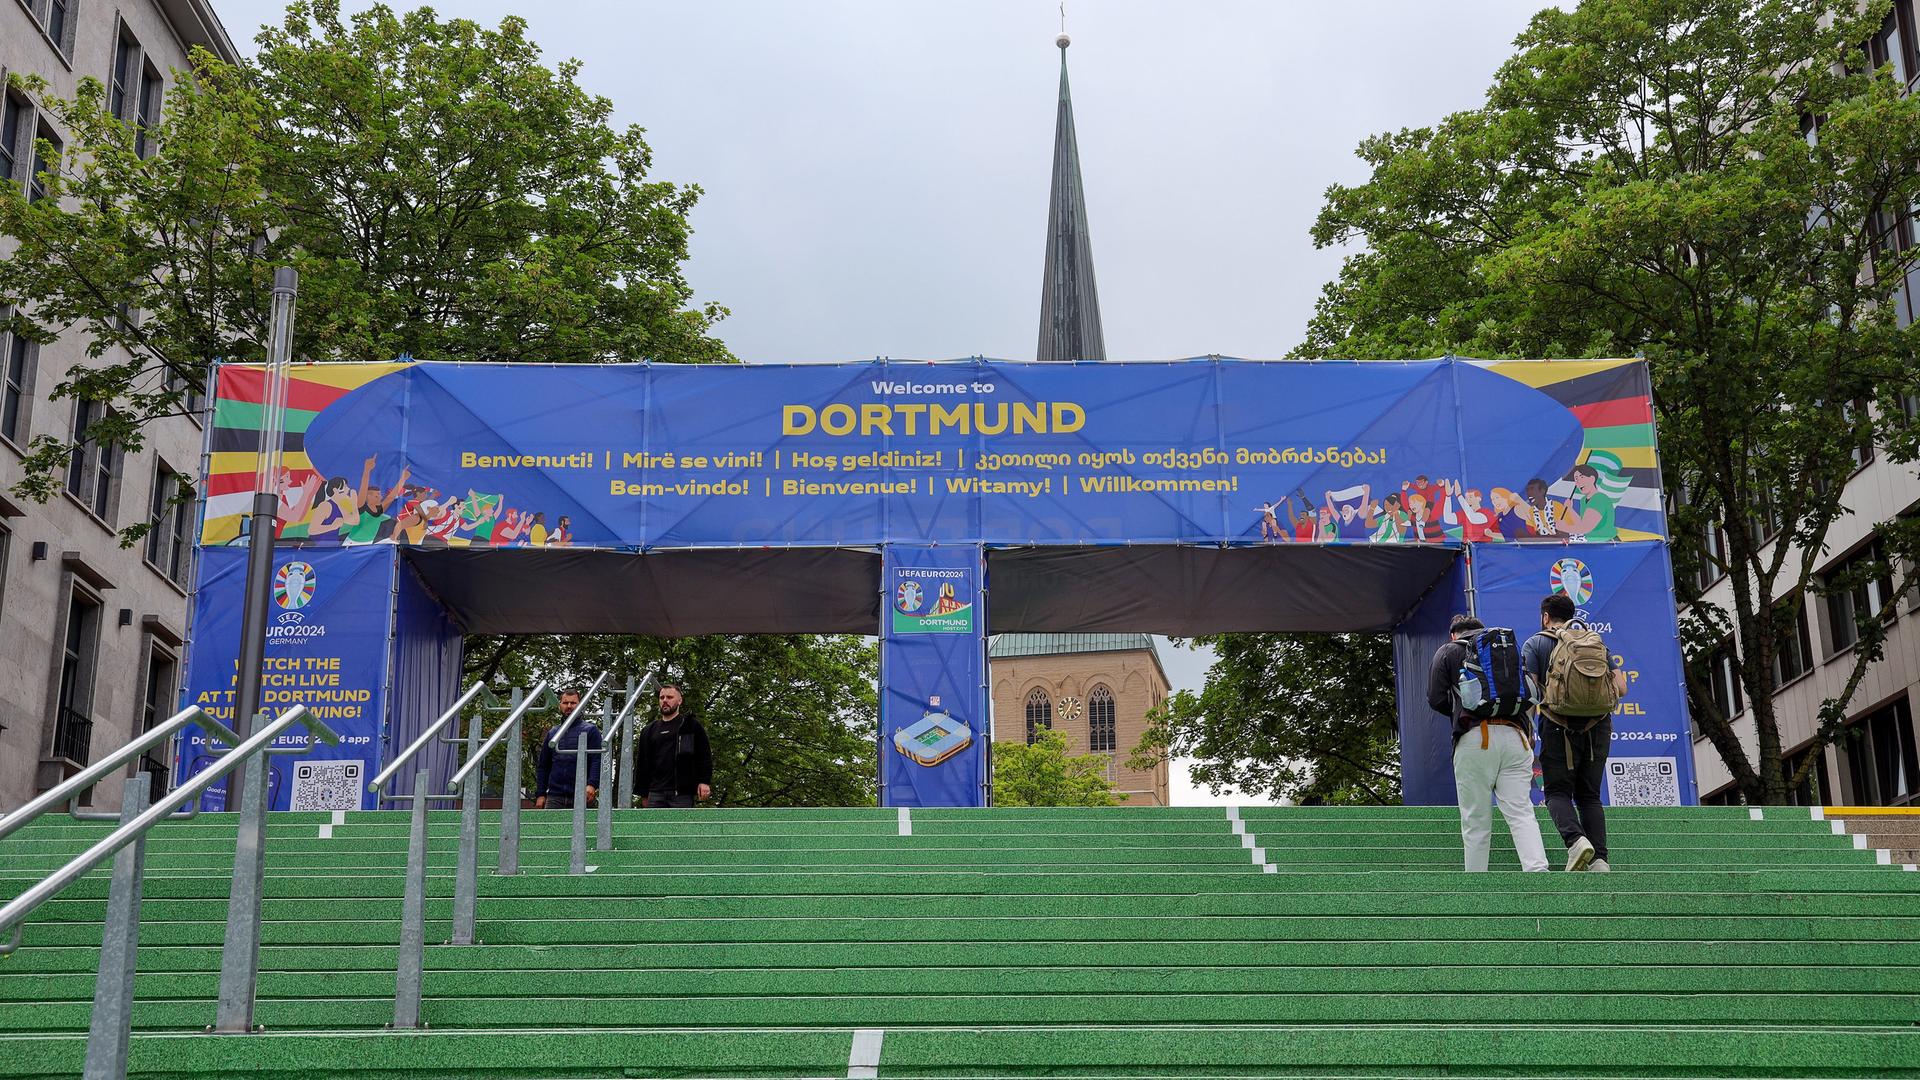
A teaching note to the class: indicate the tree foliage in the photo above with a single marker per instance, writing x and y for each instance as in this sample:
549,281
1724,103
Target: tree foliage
1287,716
443,193
1044,774
793,719
1720,187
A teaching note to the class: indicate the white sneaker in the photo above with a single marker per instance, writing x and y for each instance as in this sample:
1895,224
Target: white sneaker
1579,854
1598,866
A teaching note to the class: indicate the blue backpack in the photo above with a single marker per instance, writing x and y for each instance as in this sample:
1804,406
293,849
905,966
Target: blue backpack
1491,684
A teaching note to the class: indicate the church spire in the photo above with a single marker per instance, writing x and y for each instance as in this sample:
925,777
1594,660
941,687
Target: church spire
1069,305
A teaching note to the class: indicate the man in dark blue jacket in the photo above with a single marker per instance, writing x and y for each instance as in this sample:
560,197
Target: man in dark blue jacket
553,768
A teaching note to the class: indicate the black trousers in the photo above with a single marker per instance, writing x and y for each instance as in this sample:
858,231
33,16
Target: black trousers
668,800
560,802
1573,765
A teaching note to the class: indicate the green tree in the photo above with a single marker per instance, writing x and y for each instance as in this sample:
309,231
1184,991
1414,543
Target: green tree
793,719
443,193
1044,774
1718,187
1287,716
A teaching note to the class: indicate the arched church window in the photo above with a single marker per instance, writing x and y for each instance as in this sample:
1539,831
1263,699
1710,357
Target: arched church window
1100,720
1039,713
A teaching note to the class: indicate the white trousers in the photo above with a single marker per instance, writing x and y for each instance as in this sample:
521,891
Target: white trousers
1502,772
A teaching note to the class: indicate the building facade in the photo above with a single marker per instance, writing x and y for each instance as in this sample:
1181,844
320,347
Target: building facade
92,632
1094,689
1876,759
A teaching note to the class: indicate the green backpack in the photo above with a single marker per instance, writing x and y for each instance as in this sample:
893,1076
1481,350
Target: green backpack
1579,678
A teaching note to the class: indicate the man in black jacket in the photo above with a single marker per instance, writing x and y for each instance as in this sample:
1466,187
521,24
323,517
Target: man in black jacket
674,763
1492,760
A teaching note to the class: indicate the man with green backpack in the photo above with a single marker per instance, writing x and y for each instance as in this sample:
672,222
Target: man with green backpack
1577,683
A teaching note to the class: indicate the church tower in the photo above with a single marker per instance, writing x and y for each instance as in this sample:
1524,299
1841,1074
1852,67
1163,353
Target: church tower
1069,303
1095,689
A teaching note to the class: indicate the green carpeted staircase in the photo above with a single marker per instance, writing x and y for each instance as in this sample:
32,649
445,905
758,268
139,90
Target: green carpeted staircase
1124,942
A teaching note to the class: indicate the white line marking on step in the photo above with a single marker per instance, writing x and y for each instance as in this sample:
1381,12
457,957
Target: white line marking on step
906,822
1882,857
863,1063
1259,856
326,828
1819,813
1839,827
1233,813
1269,869
1240,829
1754,814
1860,841
1246,840
1909,867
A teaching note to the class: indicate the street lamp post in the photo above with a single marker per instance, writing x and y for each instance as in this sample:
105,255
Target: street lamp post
266,507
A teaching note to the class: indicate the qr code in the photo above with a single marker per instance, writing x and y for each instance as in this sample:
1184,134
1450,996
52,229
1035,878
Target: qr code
1643,781
327,785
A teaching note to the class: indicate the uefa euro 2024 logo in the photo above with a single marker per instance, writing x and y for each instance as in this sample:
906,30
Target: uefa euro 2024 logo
293,586
909,596
1572,579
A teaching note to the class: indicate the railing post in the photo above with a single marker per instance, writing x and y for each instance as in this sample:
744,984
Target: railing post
626,754
113,986
466,882
413,914
510,797
240,952
577,864
604,841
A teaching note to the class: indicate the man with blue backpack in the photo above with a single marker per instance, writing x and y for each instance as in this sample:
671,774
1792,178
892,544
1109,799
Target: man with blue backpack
1476,681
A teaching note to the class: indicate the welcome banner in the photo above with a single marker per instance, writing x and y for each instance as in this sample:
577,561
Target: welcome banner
636,456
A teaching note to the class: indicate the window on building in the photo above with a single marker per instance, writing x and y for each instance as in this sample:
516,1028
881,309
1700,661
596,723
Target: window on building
193,396
44,164
1100,721
1722,676
13,129
1862,453
1713,555
1812,790
162,687
120,82
92,467
1868,599
1039,714
148,111
169,544
16,382
1793,648
59,23
73,726
1883,765
1726,796
1894,43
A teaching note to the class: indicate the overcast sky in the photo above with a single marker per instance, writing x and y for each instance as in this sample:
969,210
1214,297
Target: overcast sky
876,173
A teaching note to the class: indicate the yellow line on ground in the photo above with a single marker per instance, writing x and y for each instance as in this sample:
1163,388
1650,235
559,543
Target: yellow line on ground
1873,811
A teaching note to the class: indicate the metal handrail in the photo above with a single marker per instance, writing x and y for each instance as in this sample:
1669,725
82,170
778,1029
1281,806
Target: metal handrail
425,737
567,724
513,719
622,780
23,905
77,784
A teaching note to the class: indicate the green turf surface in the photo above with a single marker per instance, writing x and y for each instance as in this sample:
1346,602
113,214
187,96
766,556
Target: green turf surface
1124,942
